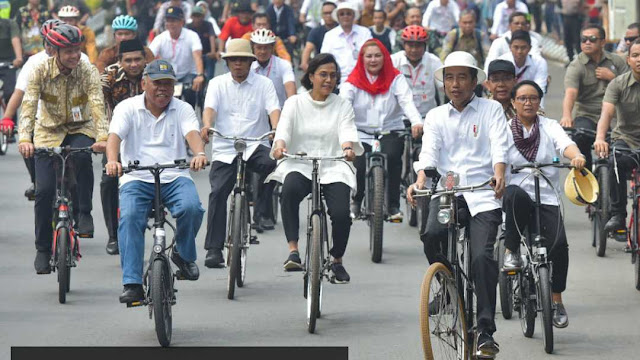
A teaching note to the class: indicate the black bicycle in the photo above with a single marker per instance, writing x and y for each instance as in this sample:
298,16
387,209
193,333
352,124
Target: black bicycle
158,280
317,260
65,252
410,154
4,136
239,235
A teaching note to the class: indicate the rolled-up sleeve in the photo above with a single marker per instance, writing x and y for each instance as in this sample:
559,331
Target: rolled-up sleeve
30,105
498,134
403,93
560,138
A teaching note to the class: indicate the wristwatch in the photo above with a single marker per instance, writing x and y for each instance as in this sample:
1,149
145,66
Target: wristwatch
201,74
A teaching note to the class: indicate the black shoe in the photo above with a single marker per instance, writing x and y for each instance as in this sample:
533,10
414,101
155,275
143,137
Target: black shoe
615,223
560,317
340,275
112,247
293,262
188,270
256,226
132,293
30,193
85,225
487,347
253,240
266,223
214,259
42,262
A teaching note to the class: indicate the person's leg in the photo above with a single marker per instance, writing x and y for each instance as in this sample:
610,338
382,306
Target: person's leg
262,164
518,207
209,67
361,167
625,165
393,147
109,198
434,238
45,171
83,169
294,189
336,195
221,178
181,198
584,142
136,198
567,21
577,25
558,250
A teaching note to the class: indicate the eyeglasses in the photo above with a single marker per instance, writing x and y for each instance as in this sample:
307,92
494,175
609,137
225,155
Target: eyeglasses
501,79
591,38
327,12
532,99
324,75
346,13
630,39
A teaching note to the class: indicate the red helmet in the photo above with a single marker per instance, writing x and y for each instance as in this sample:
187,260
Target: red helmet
64,36
48,25
414,33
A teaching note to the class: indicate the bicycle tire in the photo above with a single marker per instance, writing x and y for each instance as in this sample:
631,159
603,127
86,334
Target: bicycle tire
62,263
314,277
505,284
161,298
411,211
275,203
235,245
527,312
376,221
4,143
245,243
457,334
544,283
637,273
604,203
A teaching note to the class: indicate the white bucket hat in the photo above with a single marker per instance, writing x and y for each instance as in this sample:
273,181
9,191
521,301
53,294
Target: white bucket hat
346,5
460,58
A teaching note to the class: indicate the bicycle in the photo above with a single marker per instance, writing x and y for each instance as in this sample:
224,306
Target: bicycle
4,137
317,261
531,286
158,280
446,283
410,154
65,252
239,235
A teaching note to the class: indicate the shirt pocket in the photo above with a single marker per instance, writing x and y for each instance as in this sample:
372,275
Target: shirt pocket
627,109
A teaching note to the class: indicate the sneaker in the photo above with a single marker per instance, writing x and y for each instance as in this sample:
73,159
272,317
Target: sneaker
85,225
487,347
395,215
355,209
30,193
132,293
112,247
42,262
560,317
615,223
214,259
293,262
512,261
340,275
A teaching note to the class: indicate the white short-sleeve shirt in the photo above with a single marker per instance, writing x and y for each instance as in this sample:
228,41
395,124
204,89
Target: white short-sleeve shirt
152,140
421,79
279,71
345,48
178,52
501,16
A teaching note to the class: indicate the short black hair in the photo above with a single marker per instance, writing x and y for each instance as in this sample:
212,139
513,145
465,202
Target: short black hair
521,35
260,15
314,64
634,25
381,11
517,14
329,2
634,42
523,83
600,29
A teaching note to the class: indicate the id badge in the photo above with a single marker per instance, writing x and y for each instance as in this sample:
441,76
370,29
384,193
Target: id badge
177,90
34,31
373,118
76,113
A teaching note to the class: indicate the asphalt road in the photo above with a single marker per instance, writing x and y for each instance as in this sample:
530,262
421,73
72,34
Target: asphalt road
376,315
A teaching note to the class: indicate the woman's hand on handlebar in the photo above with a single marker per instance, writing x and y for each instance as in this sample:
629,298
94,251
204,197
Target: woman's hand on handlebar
278,153
578,162
113,168
601,147
349,155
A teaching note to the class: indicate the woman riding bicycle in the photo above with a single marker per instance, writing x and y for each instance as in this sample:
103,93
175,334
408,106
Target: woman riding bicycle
535,138
318,123
381,96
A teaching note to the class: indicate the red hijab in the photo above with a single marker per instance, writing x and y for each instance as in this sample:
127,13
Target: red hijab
358,76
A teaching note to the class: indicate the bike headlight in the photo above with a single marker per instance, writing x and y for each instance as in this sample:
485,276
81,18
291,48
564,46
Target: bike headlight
444,216
157,249
240,145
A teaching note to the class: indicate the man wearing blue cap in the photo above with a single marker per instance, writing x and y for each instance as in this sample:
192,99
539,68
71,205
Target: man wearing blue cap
152,128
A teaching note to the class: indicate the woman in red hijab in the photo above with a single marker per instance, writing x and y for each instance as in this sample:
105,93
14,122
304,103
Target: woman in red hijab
381,99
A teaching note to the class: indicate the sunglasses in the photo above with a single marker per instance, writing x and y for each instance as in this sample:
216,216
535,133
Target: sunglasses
591,38
630,39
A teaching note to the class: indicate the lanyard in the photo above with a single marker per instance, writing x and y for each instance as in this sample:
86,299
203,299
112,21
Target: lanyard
268,69
413,80
174,43
521,73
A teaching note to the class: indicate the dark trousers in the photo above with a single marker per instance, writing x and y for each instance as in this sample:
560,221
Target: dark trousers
520,211
572,25
222,178
109,196
584,142
625,164
46,174
8,77
30,163
393,146
295,188
483,229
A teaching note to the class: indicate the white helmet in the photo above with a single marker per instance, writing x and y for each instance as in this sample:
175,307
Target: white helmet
263,36
68,11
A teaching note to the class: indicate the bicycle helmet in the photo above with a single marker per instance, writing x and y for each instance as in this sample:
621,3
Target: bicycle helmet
414,33
263,36
64,36
68,11
48,25
124,22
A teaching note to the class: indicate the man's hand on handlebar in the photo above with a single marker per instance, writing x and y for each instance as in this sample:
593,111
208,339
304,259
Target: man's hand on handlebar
419,184
416,130
100,146
498,184
601,147
113,168
26,149
278,153
197,83
204,134
198,162
566,122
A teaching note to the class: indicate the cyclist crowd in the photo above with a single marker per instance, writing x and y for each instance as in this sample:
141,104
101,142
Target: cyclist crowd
369,67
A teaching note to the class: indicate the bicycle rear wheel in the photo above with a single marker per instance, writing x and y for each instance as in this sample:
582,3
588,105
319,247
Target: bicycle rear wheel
63,257
162,298
275,202
637,272
314,275
544,291
444,333
602,214
376,217
4,143
527,309
235,246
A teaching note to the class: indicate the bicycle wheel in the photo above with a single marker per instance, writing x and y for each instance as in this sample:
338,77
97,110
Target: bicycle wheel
637,272
505,283
411,211
444,335
235,246
314,277
246,226
63,255
544,291
161,299
602,216
527,309
4,143
376,218
275,202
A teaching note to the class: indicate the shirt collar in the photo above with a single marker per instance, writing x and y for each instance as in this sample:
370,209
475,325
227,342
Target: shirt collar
141,106
584,59
473,104
121,75
405,61
55,70
249,80
632,80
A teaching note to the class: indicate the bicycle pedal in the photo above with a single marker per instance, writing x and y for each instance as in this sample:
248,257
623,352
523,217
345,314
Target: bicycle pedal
179,276
480,355
136,304
85,236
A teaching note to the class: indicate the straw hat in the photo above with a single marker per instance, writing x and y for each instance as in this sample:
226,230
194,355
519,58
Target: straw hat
238,48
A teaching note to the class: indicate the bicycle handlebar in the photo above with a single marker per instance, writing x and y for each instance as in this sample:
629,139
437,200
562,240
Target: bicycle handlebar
376,133
260,138
59,150
620,149
179,164
454,190
517,169
304,156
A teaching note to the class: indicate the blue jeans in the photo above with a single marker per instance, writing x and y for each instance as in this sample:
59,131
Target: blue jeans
209,67
187,94
136,198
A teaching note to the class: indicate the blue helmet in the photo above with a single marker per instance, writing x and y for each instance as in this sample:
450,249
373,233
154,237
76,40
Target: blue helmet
124,22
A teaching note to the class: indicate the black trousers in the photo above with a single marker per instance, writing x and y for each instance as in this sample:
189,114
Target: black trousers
572,25
520,211
483,229
295,188
109,195
47,169
584,142
393,146
222,178
626,164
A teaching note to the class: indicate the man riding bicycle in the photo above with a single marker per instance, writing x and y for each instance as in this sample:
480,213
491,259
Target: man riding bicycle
71,113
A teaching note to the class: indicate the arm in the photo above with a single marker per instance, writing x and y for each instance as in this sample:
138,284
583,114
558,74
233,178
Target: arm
306,55
214,51
274,117
288,79
113,166
447,46
404,96
400,6
427,16
96,104
17,49
290,88
542,74
600,145
14,103
197,147
129,7
28,113
496,22
198,81
159,20
291,25
570,96
499,146
90,43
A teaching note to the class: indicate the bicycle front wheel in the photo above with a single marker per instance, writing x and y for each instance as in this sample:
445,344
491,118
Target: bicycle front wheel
376,217
63,260
443,329
314,275
527,309
544,289
4,143
602,214
245,228
505,283
275,202
162,299
235,246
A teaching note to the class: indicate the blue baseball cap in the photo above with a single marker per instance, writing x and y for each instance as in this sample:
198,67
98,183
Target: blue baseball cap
160,69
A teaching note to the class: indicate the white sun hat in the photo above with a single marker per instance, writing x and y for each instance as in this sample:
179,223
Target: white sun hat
460,58
346,5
